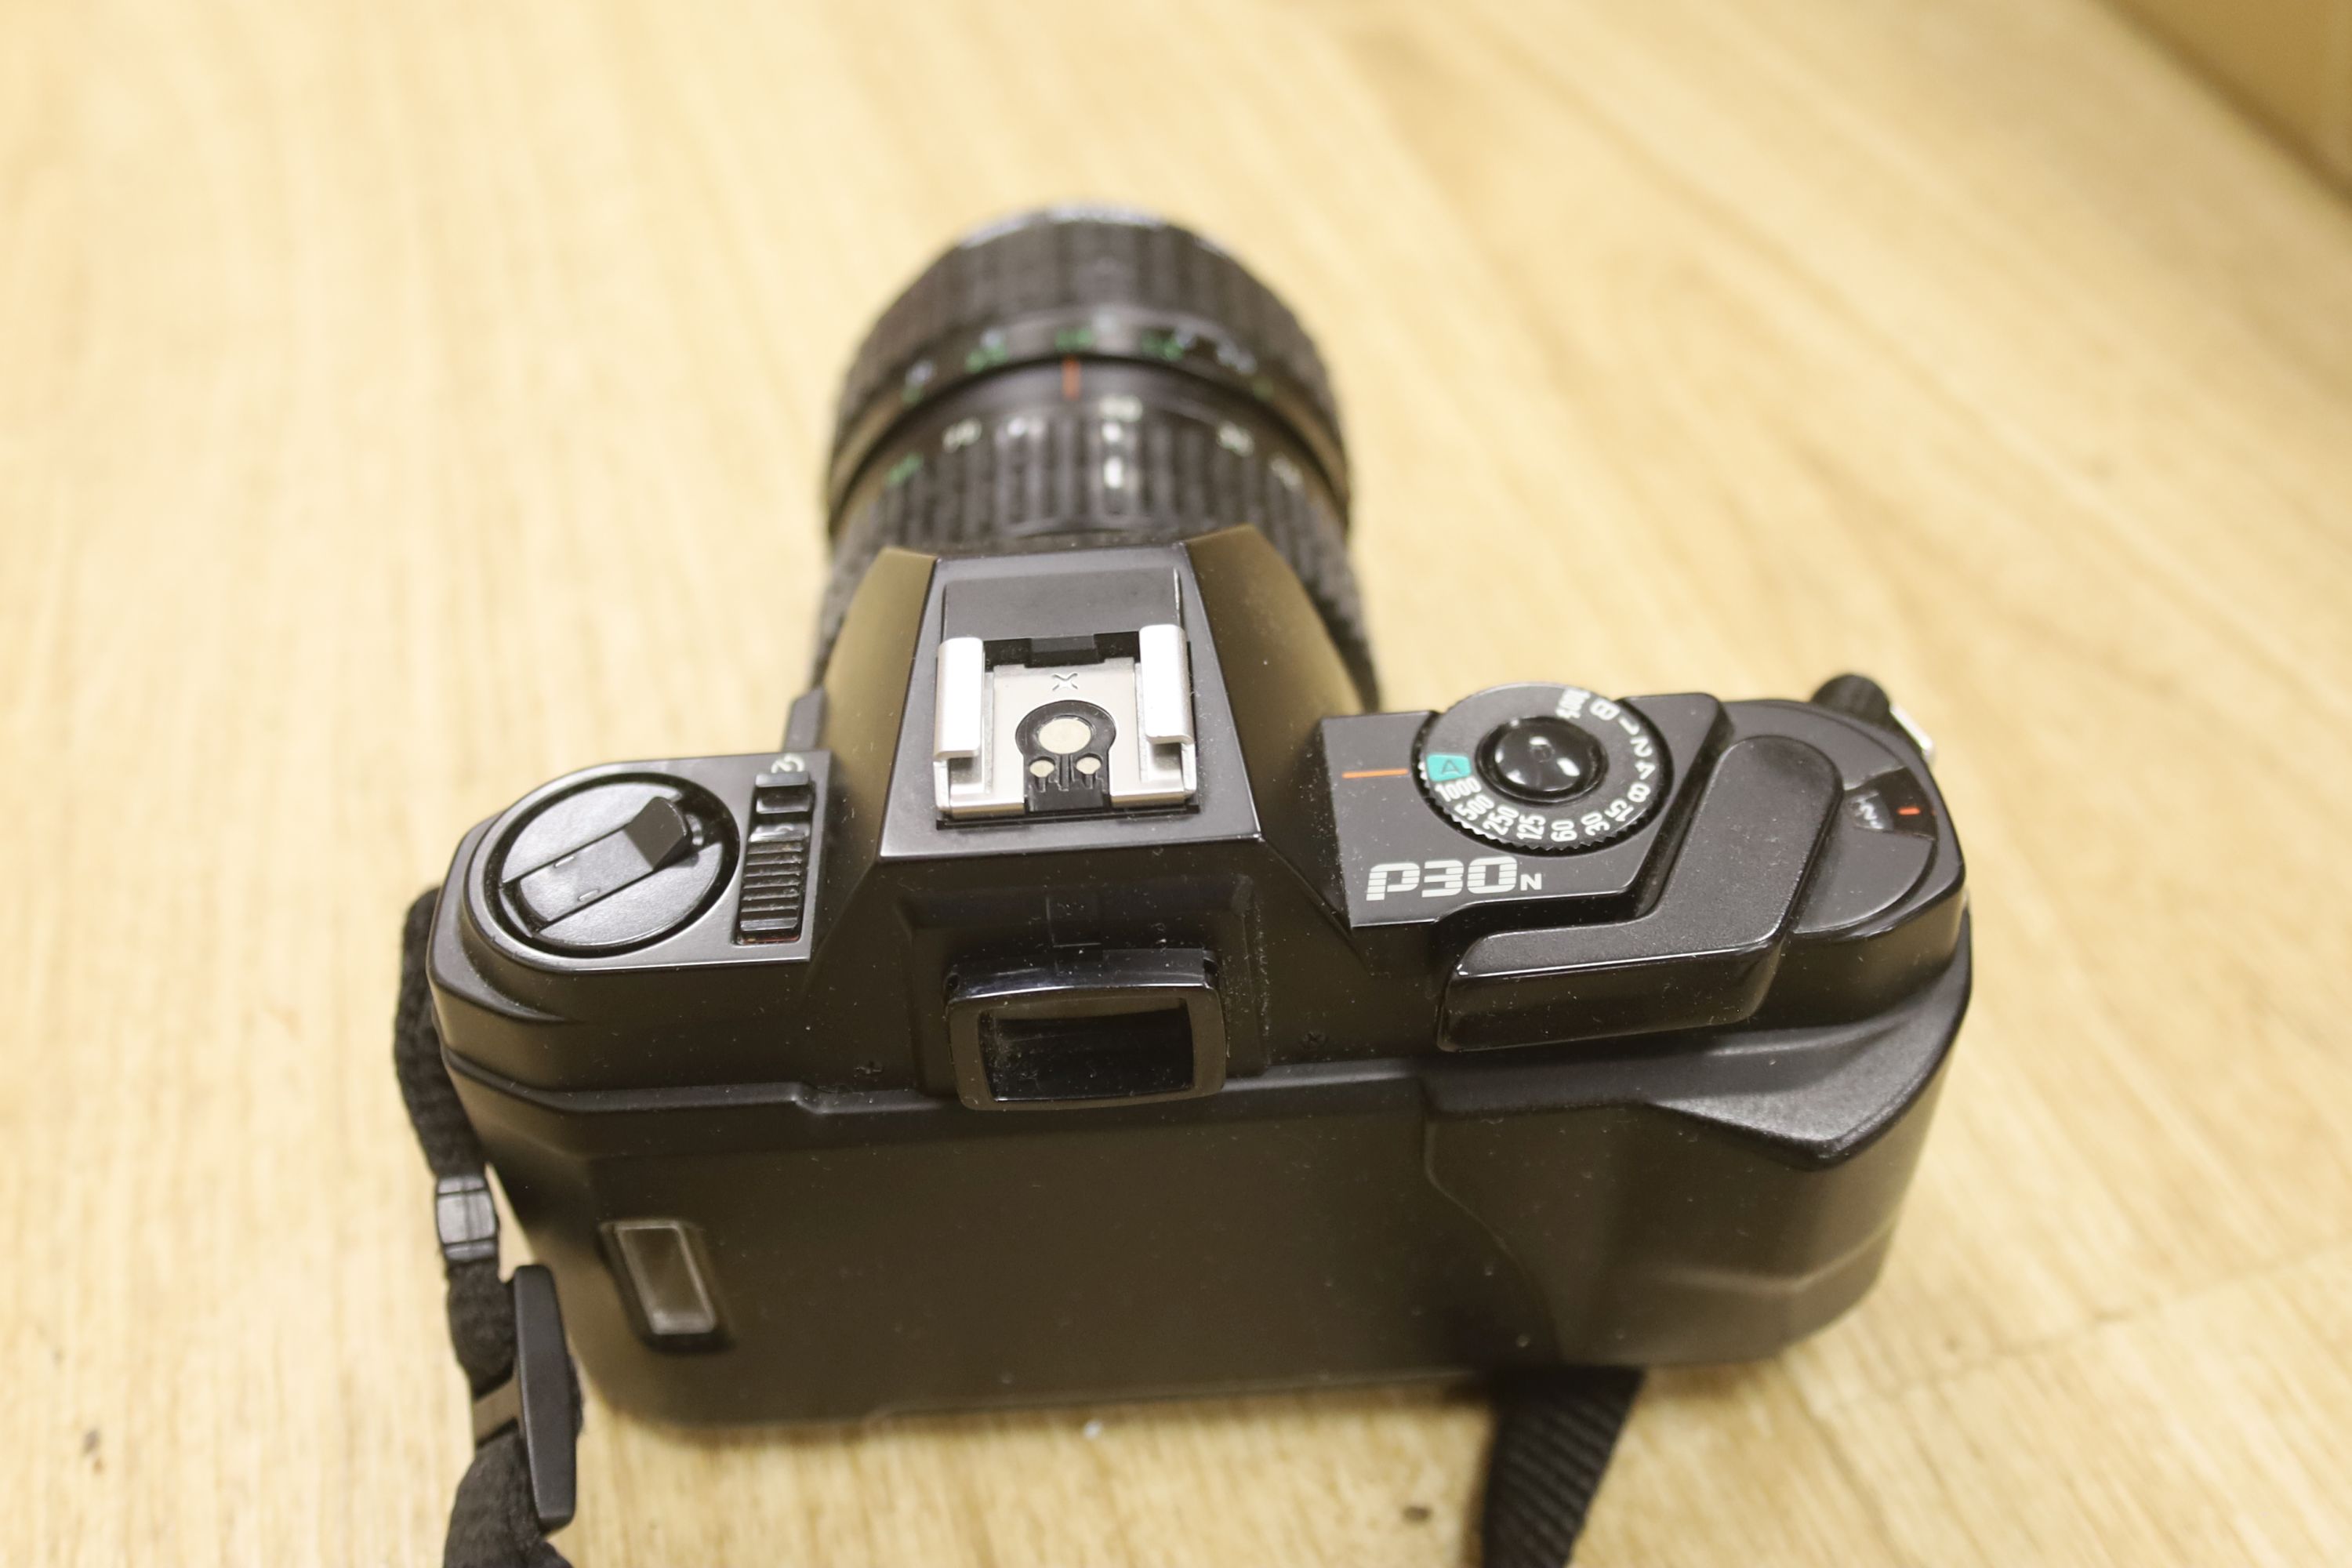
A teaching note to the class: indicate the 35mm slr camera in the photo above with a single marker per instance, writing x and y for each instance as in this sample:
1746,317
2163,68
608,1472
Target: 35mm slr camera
1095,994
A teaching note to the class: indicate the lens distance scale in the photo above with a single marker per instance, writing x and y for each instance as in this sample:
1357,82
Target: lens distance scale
1543,768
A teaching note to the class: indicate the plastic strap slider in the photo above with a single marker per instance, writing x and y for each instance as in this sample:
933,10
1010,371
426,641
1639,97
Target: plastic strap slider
466,1220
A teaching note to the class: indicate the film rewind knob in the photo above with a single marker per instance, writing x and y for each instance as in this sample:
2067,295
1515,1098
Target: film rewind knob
613,864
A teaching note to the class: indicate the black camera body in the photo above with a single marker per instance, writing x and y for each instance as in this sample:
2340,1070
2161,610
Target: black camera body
1093,997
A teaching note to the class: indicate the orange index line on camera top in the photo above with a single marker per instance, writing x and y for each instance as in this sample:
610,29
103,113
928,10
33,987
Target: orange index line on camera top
1376,774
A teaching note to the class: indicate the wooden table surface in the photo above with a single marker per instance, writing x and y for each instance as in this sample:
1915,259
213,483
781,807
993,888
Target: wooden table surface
403,404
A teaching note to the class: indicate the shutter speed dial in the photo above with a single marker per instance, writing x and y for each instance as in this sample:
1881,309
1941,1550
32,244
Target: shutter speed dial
1542,768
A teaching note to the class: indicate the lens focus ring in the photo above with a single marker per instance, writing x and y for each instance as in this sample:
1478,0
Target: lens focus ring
1080,377
1112,470
1064,263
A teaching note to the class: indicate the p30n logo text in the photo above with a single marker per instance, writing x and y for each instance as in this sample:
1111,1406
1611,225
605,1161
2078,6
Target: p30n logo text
1446,879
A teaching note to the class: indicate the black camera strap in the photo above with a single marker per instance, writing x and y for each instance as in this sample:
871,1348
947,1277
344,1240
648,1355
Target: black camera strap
1553,1434
1554,1431
509,1335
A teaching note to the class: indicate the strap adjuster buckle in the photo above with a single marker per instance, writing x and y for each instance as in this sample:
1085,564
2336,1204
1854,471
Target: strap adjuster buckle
464,1220
539,1400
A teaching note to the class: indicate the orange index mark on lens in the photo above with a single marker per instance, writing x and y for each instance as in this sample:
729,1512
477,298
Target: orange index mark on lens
1907,811
1376,774
1070,380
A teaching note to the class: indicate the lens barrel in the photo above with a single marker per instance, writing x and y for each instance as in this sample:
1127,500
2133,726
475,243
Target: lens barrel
1089,376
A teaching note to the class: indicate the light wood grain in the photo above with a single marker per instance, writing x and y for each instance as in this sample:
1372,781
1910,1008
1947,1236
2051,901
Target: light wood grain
402,405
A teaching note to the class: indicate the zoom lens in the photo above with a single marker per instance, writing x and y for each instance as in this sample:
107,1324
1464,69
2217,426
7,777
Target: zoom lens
1089,376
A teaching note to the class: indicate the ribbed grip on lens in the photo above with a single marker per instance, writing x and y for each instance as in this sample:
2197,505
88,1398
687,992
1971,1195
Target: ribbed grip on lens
1049,479
1073,256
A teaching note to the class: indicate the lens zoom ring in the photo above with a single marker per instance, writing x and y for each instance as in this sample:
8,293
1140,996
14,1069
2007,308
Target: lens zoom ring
1043,481
1050,261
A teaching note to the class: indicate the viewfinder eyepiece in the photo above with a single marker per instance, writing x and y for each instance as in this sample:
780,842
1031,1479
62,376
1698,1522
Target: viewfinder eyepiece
1127,1027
